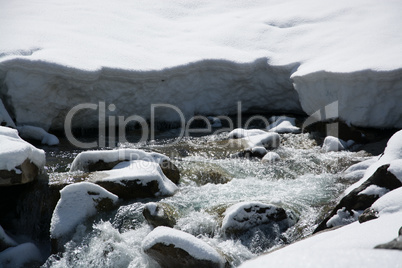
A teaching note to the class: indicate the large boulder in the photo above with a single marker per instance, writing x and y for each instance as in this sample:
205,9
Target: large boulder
77,203
172,248
20,162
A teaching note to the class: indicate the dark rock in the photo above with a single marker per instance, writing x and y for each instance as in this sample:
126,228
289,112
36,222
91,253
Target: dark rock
160,214
101,165
394,244
248,153
29,173
368,215
171,171
358,202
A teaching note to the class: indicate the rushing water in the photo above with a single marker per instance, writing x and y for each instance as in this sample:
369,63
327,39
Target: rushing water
305,181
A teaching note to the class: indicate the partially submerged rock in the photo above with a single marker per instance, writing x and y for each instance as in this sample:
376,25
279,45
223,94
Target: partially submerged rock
135,179
160,214
173,248
78,202
20,162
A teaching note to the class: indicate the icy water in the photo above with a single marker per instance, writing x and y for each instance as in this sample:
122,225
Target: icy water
305,181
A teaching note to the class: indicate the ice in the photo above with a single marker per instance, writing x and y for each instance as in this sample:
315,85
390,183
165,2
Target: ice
14,151
37,133
202,57
83,159
349,246
77,202
144,171
194,246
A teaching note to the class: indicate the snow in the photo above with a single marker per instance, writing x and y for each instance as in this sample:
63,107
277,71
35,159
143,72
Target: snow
83,159
361,166
37,133
333,144
14,151
144,171
349,246
182,52
5,239
77,202
343,217
395,168
374,190
268,139
391,202
20,256
5,117
271,157
392,152
194,246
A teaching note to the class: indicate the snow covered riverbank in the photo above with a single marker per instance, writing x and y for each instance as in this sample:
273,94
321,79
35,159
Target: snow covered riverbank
288,56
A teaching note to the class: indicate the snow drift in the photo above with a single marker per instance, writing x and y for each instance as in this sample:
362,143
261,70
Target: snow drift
202,57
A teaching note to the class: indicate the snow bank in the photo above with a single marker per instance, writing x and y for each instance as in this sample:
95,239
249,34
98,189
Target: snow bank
77,202
349,246
14,151
142,171
82,160
392,152
348,51
23,255
37,133
187,242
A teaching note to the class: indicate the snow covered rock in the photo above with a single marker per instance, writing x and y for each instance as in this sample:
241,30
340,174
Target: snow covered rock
38,134
78,202
90,161
333,144
239,133
244,216
20,162
284,124
135,179
159,214
23,255
256,138
258,152
172,248
361,198
271,157
5,240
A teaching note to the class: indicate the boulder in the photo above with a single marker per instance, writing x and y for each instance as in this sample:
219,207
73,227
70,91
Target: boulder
78,202
361,198
172,248
20,162
135,179
160,214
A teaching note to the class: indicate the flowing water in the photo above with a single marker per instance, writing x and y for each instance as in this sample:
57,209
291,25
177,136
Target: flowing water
306,181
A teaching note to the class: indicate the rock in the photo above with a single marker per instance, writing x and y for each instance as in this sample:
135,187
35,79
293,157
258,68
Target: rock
270,157
170,170
135,179
173,248
160,214
243,216
368,215
24,173
333,144
37,134
394,244
5,118
363,196
256,152
78,202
